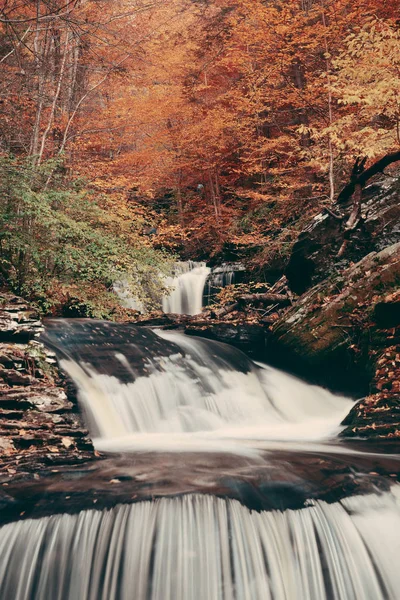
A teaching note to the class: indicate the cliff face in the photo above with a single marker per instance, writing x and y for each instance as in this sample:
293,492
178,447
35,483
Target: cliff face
314,255
338,327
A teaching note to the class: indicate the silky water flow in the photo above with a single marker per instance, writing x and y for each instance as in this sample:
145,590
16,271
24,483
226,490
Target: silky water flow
166,392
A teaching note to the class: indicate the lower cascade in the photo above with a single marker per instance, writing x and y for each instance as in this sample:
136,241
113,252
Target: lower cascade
154,394
202,391
202,547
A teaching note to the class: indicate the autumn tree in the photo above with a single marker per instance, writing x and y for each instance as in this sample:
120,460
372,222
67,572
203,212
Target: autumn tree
60,59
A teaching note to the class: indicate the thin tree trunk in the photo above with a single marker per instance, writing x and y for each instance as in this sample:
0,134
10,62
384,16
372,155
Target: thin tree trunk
330,113
55,99
212,193
40,83
217,192
353,220
179,197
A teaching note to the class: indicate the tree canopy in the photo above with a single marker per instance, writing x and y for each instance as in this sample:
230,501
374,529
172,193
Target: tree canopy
235,118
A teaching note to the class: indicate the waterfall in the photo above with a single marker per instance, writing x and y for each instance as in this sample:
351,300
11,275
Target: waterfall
205,548
193,286
202,392
188,284
220,277
162,392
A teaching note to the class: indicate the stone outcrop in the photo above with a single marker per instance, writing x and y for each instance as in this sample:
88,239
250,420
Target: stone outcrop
333,327
18,321
39,425
314,255
378,415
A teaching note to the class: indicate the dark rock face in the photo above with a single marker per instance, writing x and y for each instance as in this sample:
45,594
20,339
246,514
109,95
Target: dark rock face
331,329
314,255
387,313
100,343
249,338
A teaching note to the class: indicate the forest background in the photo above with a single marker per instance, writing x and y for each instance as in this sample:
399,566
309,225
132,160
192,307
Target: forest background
225,125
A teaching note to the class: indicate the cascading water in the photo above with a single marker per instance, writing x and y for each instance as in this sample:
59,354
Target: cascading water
162,392
193,286
187,295
220,277
202,547
202,392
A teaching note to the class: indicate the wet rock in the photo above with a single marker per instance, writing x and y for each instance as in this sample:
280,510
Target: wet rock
331,328
248,337
39,423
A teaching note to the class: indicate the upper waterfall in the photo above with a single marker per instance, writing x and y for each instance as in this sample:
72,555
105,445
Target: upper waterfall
192,286
187,286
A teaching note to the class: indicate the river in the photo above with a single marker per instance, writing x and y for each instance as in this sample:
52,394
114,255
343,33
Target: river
227,480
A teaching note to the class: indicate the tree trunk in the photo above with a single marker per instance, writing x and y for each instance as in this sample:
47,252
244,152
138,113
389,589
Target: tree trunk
55,99
364,176
212,193
330,112
353,220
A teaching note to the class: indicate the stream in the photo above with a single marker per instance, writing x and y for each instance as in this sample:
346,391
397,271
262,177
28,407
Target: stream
223,479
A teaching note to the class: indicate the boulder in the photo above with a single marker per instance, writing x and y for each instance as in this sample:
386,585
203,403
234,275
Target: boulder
332,328
39,424
18,321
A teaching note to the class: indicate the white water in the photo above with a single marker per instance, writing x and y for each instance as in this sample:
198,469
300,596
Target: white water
205,397
197,399
204,548
219,278
187,286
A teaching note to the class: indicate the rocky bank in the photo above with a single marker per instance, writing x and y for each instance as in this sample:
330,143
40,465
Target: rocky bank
40,426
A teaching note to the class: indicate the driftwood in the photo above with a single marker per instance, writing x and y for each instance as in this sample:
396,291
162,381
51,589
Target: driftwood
365,174
265,299
359,177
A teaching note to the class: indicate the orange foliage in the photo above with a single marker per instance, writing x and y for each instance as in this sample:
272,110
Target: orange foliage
197,99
